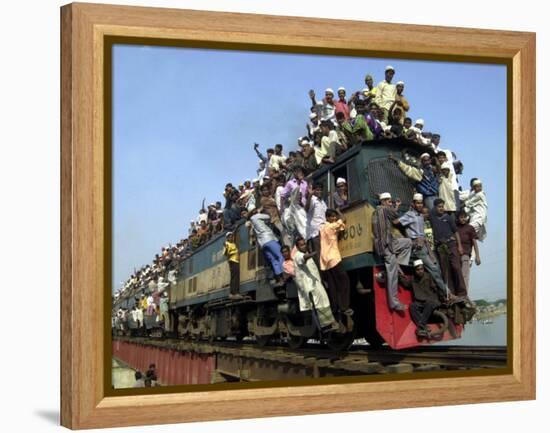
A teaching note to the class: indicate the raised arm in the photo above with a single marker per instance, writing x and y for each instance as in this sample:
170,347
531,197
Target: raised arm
260,155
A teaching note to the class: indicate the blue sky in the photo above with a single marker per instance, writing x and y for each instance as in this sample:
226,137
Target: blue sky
185,120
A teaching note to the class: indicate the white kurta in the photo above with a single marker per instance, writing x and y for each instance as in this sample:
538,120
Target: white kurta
476,208
308,280
295,216
446,193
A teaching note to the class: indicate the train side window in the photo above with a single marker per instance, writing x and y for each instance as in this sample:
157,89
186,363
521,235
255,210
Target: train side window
191,265
195,284
354,183
348,172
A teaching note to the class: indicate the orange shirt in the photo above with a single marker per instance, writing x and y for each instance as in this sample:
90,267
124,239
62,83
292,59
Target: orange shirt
330,254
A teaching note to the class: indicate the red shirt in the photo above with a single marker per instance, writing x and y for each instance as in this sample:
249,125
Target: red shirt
467,235
342,107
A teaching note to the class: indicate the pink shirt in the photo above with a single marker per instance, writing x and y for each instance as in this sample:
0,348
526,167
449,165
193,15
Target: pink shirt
342,107
330,254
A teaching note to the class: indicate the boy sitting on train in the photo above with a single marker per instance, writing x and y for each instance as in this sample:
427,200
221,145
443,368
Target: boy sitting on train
425,296
268,242
311,292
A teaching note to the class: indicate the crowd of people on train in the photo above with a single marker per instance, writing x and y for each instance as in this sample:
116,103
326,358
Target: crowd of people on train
298,232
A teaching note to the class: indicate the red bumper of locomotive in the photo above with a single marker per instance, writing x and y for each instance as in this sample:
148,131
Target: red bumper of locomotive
398,329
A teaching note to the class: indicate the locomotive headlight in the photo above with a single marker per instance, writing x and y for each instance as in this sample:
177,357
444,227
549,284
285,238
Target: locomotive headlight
380,277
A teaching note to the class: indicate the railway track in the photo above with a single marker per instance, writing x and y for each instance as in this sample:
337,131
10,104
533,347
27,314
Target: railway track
246,361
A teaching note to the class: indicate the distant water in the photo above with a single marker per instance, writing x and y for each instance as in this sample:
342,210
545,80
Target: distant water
477,334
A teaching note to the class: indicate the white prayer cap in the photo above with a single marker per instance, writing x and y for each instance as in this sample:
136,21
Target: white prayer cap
365,90
402,83
260,161
419,122
342,88
418,263
329,90
389,68
256,180
228,234
340,180
313,115
385,195
304,142
418,197
476,182
446,165
192,221
424,155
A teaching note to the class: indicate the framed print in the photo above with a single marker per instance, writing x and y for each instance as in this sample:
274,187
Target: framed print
268,216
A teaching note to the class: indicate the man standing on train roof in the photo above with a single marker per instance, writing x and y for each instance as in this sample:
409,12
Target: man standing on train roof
448,247
475,205
401,101
425,296
231,251
342,106
390,244
386,93
413,221
270,246
277,160
369,92
325,109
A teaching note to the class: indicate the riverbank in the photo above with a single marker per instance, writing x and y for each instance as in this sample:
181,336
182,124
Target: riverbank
489,314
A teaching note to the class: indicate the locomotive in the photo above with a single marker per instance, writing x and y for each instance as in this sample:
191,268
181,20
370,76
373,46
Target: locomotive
200,307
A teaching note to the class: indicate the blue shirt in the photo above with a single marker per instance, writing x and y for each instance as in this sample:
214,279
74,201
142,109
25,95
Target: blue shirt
413,223
428,186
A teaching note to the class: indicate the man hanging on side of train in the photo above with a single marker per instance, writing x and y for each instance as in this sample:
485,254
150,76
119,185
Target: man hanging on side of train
310,287
413,221
268,242
425,295
448,247
331,262
390,245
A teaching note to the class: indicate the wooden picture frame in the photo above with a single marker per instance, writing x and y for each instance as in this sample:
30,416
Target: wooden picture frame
84,234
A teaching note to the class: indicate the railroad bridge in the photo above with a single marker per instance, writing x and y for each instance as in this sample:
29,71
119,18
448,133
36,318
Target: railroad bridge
183,363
